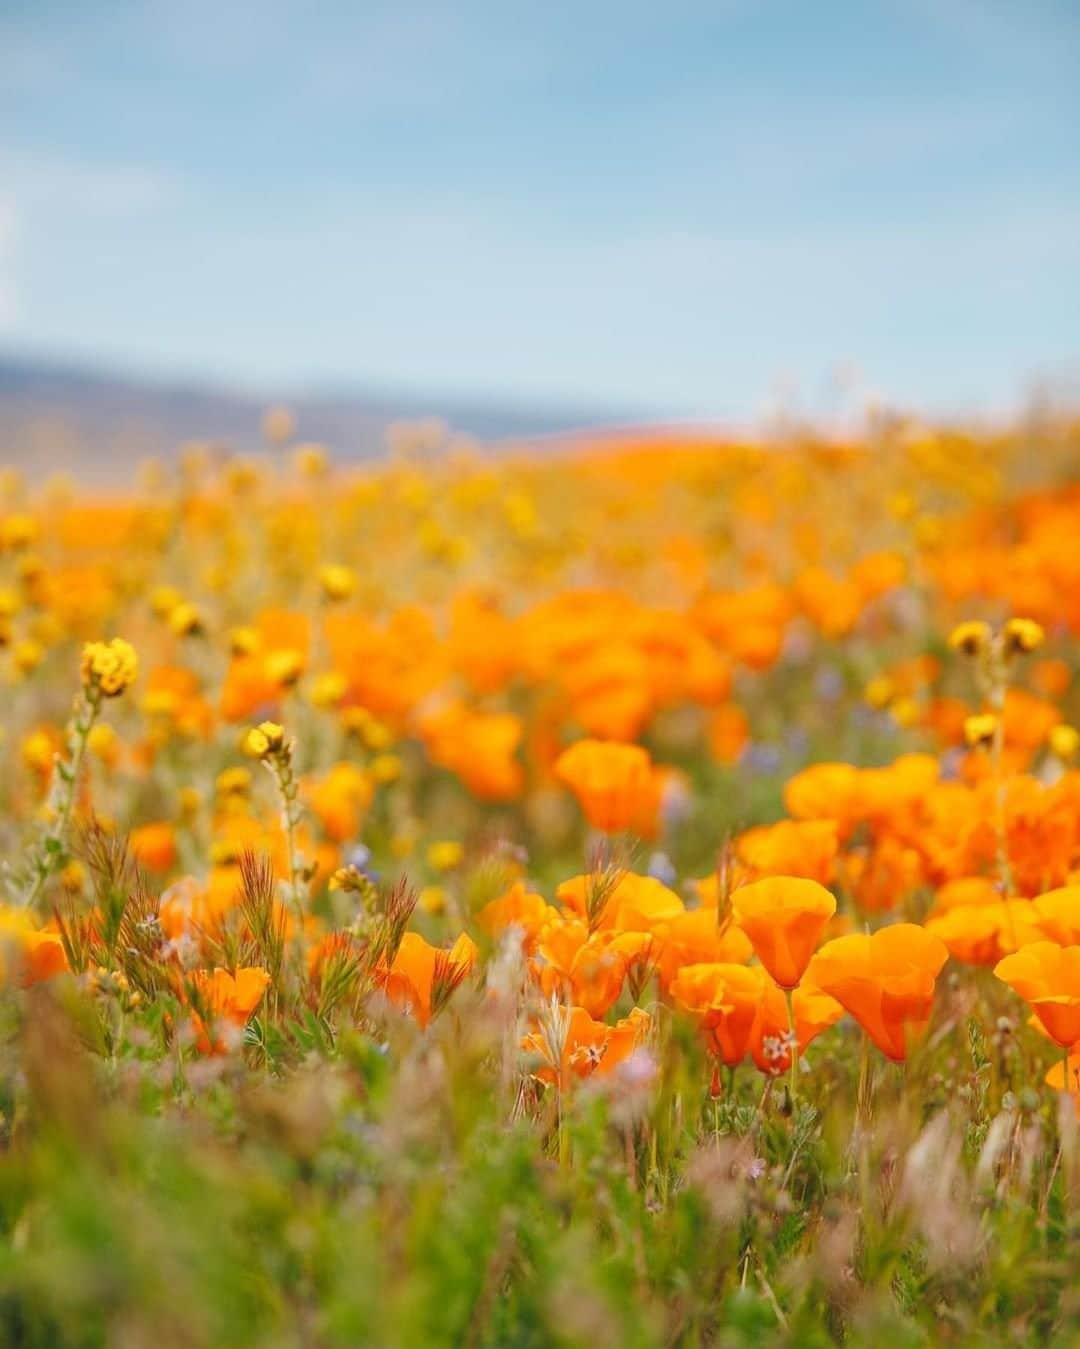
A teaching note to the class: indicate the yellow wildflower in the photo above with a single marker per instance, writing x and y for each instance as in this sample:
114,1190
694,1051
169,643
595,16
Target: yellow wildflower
1064,742
185,620
284,667
972,637
1023,635
445,855
265,739
327,690
109,667
337,582
980,729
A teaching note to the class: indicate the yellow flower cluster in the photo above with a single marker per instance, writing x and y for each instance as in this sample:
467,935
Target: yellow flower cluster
109,667
264,740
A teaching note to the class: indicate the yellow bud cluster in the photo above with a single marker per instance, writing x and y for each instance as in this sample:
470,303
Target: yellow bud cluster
233,782
264,740
980,729
1023,635
109,667
972,637
1064,742
337,582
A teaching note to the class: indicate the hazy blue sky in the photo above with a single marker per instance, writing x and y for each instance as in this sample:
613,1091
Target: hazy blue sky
666,206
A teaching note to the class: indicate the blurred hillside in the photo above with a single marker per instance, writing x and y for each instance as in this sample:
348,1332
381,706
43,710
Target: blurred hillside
59,417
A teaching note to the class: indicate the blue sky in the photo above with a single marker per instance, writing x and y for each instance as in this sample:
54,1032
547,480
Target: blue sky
674,208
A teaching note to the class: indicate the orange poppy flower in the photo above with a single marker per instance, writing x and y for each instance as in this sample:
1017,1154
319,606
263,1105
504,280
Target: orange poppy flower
877,573
627,1034
980,934
1052,677
886,981
175,690
831,603
559,941
230,1001
340,799
1047,977
1028,720
284,630
697,938
825,791
632,903
422,976
815,1012
584,1047
248,690
1057,915
735,1005
587,969
600,966
482,642
480,747
747,624
965,891
741,1012
323,951
615,784
889,796
729,733
609,691
790,848
28,953
520,908
1040,829
153,846
784,917
881,878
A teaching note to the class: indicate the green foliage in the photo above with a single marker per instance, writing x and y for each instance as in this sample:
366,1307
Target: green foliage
379,1192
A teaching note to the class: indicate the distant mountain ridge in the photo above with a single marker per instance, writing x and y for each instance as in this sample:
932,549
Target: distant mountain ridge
67,416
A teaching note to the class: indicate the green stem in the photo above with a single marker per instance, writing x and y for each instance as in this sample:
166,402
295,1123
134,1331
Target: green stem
61,799
862,1095
563,1134
998,683
287,790
794,1070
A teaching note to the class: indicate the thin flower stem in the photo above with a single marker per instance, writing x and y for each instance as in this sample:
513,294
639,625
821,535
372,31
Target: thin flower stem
279,763
996,687
997,748
47,854
794,1045
861,1128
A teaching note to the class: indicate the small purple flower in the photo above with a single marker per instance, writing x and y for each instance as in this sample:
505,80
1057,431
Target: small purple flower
798,644
951,761
662,869
762,759
360,858
640,1069
829,683
674,802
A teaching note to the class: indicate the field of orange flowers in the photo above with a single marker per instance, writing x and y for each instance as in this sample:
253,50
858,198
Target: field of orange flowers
626,894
